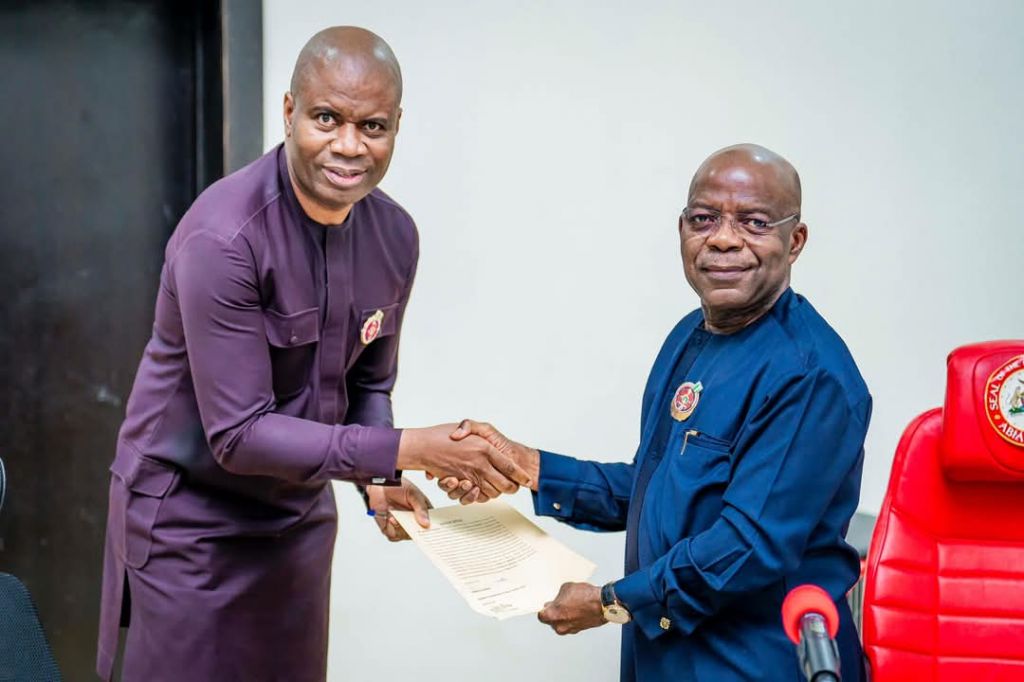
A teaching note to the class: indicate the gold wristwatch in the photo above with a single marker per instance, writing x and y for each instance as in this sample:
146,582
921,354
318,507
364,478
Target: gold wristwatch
614,611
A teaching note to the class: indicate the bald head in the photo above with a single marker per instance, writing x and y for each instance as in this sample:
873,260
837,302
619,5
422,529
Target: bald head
752,159
341,118
740,234
346,47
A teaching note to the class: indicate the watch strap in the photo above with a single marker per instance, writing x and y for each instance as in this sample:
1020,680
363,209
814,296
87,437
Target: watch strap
608,597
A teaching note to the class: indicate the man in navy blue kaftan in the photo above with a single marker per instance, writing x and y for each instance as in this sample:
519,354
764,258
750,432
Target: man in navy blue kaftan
749,464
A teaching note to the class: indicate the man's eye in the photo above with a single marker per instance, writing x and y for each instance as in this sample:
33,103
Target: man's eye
703,219
324,118
755,224
373,127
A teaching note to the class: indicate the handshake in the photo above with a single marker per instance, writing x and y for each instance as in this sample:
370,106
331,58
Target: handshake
472,461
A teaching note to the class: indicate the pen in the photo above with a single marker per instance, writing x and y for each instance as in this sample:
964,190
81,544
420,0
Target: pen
384,515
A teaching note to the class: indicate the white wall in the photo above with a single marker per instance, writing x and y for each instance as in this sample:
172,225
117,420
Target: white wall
545,152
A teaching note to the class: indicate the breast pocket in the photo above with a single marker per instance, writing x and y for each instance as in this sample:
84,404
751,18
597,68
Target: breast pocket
703,453
293,339
373,325
700,471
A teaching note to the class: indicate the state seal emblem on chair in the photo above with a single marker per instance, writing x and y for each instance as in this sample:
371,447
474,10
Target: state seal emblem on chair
1004,400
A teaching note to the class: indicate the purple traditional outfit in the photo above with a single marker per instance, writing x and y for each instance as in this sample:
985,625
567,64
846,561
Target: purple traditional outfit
268,374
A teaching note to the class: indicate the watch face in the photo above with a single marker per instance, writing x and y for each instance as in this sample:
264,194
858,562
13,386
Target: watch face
615,613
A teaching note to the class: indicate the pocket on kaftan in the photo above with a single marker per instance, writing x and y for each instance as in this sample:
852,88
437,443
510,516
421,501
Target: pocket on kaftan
699,472
703,457
386,317
292,338
372,325
147,482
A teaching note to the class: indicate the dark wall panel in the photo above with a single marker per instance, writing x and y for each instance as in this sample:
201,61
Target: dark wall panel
100,112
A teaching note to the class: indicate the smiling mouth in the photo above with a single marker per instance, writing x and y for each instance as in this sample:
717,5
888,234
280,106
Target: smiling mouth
725,268
724,273
344,177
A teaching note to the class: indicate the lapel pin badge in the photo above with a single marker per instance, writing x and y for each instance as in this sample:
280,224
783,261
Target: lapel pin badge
685,400
371,328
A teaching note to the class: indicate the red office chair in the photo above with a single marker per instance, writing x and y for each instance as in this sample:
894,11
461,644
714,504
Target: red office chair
944,589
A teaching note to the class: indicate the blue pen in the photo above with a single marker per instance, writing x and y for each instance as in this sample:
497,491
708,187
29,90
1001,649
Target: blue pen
384,515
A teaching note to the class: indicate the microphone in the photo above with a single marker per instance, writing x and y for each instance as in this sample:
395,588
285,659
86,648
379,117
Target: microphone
811,621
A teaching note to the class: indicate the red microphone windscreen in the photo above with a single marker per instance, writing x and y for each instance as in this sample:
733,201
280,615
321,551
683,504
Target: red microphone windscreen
808,599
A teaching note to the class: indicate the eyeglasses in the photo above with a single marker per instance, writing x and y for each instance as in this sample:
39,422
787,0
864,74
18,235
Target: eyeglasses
703,221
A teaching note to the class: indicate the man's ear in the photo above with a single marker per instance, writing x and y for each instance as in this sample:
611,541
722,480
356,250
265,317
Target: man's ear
398,120
289,111
797,241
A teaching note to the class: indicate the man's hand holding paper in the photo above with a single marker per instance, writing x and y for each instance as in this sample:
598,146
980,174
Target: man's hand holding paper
577,606
499,561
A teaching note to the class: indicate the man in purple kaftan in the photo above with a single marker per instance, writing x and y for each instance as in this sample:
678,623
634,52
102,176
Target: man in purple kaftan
269,374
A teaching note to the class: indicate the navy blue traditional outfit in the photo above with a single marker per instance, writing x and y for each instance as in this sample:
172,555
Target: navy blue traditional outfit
743,494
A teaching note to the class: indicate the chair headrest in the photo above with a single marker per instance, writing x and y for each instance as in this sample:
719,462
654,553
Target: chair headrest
983,419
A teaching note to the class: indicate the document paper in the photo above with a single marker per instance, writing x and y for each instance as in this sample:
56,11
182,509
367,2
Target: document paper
498,560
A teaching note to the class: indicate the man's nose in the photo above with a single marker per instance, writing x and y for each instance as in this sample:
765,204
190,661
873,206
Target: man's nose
348,141
726,236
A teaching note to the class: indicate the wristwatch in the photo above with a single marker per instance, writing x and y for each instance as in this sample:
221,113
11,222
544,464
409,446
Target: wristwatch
614,611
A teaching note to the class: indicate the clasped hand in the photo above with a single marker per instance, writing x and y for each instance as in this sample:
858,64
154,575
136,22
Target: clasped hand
446,452
470,457
525,459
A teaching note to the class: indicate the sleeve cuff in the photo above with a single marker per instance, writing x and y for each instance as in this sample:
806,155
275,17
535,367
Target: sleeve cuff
376,455
556,489
638,595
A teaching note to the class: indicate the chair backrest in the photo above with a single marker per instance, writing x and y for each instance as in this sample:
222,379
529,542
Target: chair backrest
24,653
944,586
